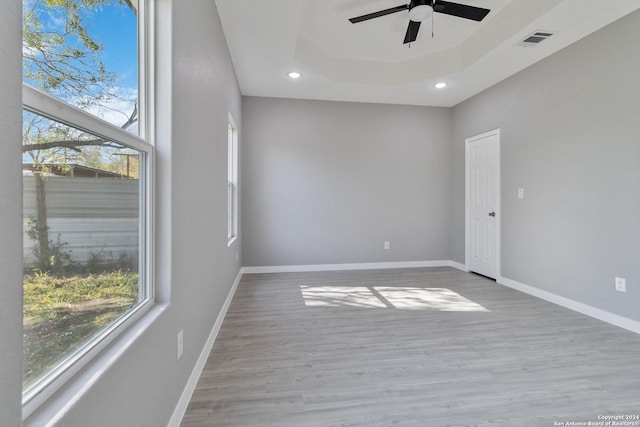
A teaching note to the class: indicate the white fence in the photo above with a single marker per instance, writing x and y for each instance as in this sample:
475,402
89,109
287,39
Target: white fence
94,217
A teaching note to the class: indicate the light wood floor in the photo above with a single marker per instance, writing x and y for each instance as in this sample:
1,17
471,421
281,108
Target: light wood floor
416,347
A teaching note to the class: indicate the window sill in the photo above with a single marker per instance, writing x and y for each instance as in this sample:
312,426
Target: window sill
53,409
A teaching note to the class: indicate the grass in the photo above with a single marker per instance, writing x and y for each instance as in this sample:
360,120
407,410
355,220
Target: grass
62,312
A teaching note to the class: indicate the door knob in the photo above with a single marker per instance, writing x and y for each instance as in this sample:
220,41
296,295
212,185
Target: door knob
492,213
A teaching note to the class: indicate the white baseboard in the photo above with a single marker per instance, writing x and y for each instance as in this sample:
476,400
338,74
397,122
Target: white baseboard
614,319
181,407
458,266
338,267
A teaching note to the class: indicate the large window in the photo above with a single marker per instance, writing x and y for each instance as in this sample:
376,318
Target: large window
86,164
232,180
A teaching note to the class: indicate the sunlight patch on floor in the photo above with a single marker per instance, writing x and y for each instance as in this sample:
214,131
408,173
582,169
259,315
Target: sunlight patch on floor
340,296
442,299
401,298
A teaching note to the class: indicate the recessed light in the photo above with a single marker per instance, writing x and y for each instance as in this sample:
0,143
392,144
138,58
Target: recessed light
440,85
294,75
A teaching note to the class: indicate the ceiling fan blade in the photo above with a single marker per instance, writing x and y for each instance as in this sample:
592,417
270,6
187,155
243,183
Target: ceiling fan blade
412,32
460,10
379,13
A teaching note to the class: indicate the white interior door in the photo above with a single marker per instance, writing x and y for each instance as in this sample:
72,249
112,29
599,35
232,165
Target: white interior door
482,204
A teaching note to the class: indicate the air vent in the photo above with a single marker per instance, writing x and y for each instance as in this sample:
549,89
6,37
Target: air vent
534,38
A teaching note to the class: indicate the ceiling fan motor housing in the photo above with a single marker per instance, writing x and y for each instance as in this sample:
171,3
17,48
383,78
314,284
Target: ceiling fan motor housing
419,10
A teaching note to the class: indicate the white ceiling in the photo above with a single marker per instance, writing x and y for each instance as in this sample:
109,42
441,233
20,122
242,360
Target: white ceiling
367,62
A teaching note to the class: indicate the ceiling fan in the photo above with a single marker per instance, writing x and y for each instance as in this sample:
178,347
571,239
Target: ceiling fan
419,10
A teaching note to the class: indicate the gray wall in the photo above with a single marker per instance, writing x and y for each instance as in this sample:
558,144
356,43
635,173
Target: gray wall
571,138
10,215
141,385
329,182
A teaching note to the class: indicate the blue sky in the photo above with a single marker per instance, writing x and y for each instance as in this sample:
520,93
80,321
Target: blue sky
113,25
116,28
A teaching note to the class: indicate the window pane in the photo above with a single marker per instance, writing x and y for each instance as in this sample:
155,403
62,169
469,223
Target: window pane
86,54
82,227
232,180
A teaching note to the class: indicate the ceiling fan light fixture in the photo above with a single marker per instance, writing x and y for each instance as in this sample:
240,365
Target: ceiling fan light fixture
294,75
420,10
420,13
440,85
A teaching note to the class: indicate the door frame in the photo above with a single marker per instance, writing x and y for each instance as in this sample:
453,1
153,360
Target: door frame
467,194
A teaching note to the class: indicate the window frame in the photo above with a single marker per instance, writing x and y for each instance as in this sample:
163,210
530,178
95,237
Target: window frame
232,180
46,105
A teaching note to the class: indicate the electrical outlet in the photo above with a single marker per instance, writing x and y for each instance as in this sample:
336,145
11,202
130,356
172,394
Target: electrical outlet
180,343
621,284
520,193
386,245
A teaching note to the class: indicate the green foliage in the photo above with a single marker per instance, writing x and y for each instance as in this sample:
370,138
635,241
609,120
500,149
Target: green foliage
60,55
103,261
62,313
63,307
45,294
128,261
51,258
94,263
